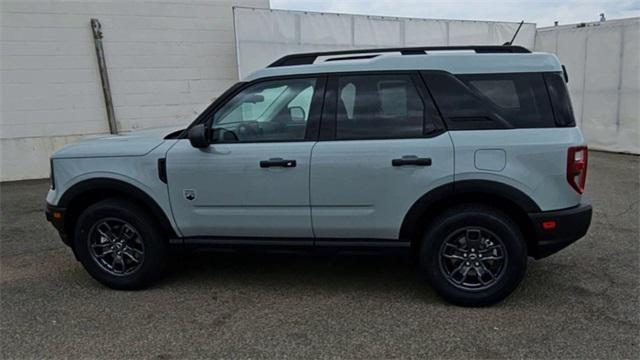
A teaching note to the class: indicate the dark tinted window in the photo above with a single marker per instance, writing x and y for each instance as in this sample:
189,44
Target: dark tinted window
521,99
378,106
560,99
492,101
460,107
502,93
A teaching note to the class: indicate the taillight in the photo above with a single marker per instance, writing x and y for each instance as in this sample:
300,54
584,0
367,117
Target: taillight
577,159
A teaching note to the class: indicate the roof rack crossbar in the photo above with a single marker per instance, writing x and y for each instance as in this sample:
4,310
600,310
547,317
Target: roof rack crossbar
310,58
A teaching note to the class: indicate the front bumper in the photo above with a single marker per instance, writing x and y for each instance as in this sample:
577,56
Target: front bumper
56,216
570,225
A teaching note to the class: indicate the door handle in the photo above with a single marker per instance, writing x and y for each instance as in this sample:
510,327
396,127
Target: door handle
277,162
411,160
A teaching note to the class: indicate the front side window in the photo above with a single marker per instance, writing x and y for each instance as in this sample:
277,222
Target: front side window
267,111
378,106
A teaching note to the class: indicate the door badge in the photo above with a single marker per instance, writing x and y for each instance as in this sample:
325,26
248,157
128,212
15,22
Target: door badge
189,194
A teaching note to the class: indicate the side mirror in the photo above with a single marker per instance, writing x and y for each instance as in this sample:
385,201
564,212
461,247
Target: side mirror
198,136
296,113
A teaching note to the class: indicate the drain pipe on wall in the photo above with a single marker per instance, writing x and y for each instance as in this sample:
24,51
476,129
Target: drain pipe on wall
96,27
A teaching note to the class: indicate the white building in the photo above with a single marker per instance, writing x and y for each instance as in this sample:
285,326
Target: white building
168,60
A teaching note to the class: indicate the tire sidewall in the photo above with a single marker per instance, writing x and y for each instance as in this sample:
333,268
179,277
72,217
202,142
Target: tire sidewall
154,244
492,220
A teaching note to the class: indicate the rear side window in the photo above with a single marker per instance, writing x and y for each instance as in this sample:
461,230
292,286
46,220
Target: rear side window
521,99
492,101
560,100
502,93
378,106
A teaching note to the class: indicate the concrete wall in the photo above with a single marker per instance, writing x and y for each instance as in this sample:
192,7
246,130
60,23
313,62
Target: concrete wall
166,60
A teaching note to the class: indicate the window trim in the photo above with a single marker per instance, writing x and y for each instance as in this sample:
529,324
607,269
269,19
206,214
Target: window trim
328,123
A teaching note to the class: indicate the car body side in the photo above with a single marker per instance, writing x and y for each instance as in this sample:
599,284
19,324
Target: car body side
521,170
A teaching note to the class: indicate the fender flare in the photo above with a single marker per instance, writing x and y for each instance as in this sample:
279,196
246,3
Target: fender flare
457,190
130,191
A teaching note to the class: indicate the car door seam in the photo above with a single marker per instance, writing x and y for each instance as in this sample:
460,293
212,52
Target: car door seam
313,232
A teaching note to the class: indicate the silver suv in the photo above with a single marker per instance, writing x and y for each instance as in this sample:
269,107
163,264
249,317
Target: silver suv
469,157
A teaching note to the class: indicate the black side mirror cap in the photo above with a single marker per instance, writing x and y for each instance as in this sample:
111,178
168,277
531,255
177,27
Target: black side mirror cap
198,136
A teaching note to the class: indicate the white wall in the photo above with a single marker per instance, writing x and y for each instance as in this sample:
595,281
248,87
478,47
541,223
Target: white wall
263,36
166,61
603,63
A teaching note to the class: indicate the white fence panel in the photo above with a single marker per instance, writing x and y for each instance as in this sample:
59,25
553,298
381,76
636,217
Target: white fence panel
602,60
263,36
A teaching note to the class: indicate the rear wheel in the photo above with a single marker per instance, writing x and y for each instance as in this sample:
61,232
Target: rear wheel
473,255
120,245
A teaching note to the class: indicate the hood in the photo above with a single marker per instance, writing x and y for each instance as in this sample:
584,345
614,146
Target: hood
136,143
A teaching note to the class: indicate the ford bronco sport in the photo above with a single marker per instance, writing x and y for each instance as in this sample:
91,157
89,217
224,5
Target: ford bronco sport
467,156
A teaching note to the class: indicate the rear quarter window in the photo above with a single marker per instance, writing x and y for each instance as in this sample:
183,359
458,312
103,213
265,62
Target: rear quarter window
492,101
560,100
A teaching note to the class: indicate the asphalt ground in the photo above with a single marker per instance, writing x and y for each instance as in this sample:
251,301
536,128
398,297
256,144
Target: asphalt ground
580,303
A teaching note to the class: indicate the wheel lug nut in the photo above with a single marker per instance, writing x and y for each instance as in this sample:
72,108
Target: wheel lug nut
467,263
473,250
477,264
465,255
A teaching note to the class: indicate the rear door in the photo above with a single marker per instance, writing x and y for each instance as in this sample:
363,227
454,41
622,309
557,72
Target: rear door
382,146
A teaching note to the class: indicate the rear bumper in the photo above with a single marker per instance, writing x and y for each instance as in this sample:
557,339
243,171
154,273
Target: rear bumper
56,216
570,225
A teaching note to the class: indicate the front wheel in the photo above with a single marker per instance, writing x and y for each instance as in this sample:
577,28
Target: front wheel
120,245
473,255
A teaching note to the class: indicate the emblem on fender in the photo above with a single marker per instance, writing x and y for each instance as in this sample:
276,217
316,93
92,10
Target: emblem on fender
189,194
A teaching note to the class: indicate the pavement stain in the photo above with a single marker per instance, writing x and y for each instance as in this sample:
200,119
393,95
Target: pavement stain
580,303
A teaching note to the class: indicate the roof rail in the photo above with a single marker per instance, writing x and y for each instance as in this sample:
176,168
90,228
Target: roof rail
310,58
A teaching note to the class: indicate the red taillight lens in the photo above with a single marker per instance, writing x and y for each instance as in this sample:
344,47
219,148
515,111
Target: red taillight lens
549,225
577,160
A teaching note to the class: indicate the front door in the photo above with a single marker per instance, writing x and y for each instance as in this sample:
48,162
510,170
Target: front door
253,180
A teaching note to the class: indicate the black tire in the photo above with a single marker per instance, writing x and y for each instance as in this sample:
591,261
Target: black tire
454,235
145,242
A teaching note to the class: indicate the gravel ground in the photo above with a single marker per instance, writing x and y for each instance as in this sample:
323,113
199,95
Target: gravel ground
580,303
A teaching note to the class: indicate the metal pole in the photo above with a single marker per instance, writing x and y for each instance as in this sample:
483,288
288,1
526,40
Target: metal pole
104,77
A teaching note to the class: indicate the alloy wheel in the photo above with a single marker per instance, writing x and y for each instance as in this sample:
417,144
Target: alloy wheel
116,246
473,258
